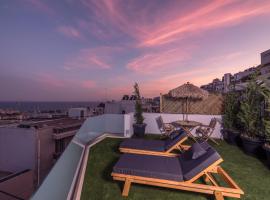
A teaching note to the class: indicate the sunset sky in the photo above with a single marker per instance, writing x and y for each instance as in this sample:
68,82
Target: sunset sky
85,50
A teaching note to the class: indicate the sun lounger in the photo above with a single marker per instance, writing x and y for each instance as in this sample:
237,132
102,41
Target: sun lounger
155,147
177,172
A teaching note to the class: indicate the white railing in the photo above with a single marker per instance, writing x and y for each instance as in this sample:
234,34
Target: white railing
60,182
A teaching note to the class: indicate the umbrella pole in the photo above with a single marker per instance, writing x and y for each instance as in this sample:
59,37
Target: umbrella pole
183,110
187,109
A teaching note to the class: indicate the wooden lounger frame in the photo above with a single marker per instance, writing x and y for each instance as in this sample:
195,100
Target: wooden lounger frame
210,187
177,146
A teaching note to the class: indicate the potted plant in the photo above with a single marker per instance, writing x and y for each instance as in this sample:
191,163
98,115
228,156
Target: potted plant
230,120
138,126
250,116
266,125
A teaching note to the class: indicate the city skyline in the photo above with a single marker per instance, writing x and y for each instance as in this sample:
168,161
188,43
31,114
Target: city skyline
96,50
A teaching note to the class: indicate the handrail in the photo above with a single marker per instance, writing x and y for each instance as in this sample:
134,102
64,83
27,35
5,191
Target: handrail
11,195
13,175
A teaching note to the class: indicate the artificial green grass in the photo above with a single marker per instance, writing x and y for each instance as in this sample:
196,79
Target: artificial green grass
248,172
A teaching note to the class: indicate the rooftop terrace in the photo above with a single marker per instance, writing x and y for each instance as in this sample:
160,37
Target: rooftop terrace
84,169
250,174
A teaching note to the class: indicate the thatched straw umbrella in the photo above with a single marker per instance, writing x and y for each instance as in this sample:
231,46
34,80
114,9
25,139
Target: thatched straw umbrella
188,92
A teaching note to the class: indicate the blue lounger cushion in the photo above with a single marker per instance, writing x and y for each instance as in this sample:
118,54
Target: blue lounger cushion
197,150
160,167
176,132
192,167
142,144
181,168
171,142
204,145
152,145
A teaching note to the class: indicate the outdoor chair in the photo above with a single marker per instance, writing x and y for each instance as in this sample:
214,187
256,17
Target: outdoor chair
204,132
156,147
166,128
181,173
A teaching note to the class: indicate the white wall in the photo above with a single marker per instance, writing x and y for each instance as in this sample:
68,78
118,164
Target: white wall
76,112
113,123
17,149
118,123
129,120
150,120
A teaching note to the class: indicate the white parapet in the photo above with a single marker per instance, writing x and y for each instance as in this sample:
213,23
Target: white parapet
151,128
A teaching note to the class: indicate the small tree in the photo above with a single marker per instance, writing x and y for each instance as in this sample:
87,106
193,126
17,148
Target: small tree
266,123
266,114
231,109
138,106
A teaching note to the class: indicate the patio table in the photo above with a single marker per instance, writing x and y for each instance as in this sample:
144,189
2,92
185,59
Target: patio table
188,125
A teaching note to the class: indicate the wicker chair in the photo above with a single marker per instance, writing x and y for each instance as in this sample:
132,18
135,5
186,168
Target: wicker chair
205,131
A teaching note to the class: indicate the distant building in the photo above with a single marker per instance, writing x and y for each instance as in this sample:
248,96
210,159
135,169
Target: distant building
243,76
216,86
120,107
265,69
265,57
12,115
208,87
43,115
127,105
78,113
227,78
230,82
240,86
83,113
99,110
265,62
35,146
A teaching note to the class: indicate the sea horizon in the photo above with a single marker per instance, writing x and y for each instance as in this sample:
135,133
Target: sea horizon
30,106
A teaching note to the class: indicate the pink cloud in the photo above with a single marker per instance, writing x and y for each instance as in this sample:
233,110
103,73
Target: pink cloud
89,84
70,32
168,25
49,80
213,15
198,75
118,91
92,58
112,13
225,57
164,84
160,61
152,88
55,82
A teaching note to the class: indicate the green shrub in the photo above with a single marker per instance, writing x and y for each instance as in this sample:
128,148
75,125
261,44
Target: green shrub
251,109
231,109
266,120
